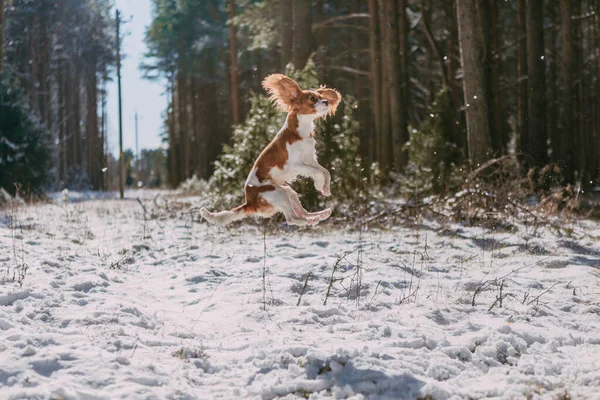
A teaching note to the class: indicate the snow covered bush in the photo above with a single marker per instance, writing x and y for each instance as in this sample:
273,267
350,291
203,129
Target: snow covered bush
24,151
433,159
337,150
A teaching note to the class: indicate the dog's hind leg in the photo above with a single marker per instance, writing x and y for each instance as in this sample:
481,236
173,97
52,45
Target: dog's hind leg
279,198
315,217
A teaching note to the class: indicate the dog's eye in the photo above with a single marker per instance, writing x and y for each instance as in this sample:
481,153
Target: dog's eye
313,99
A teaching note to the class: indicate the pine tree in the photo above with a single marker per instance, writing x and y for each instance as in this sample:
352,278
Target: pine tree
24,150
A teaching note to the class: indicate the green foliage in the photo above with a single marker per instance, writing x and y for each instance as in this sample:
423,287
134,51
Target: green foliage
260,21
432,157
249,138
182,33
24,152
337,149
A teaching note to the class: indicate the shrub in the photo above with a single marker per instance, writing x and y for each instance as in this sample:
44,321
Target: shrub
337,149
432,167
24,152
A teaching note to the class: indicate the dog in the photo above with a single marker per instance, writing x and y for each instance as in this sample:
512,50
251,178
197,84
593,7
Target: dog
290,154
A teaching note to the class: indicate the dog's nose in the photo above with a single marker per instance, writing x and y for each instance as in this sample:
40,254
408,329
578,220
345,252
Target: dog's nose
325,102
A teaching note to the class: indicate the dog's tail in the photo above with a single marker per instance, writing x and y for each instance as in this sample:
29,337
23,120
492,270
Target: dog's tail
224,217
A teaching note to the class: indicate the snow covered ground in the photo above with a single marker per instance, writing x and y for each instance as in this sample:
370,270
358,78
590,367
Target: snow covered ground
115,307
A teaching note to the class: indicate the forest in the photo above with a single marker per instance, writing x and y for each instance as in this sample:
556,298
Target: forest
466,80
435,87
457,257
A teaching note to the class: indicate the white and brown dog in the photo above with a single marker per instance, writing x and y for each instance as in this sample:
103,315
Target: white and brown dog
290,154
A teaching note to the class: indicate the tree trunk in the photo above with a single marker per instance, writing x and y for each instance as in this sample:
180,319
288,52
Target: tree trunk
286,11
385,142
172,127
102,148
183,126
585,152
44,61
1,36
77,111
404,82
375,80
427,18
33,63
303,37
497,130
452,55
189,112
393,73
596,169
198,140
552,127
566,156
475,80
62,149
321,40
68,119
94,163
235,99
522,83
536,83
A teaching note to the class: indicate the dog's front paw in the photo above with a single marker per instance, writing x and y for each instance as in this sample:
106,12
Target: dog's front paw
325,191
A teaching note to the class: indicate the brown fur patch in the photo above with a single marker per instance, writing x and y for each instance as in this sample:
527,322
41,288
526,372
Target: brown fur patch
332,96
254,202
282,90
275,154
304,105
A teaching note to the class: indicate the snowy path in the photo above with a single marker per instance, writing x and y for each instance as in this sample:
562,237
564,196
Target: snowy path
106,313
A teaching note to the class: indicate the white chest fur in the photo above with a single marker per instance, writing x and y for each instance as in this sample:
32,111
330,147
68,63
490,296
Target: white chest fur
300,153
306,124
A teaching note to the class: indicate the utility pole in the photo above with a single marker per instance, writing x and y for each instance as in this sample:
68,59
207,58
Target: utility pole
137,151
121,155
104,174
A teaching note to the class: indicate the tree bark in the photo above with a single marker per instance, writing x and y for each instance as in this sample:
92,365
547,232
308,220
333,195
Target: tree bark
1,36
522,84
62,149
566,154
44,63
77,110
68,119
303,37
385,139
475,80
404,82
183,125
585,152
596,141
33,63
536,83
497,129
393,73
375,80
553,130
235,98
286,11
452,55
92,126
172,127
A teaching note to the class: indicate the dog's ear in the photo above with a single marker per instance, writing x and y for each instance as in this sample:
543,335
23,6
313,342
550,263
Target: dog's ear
282,90
333,97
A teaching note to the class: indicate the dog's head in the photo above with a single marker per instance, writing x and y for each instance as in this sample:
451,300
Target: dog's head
287,96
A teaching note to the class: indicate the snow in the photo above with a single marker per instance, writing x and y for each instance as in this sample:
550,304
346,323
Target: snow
115,307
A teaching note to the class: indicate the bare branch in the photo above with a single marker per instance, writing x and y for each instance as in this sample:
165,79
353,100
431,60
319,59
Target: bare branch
349,70
340,18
